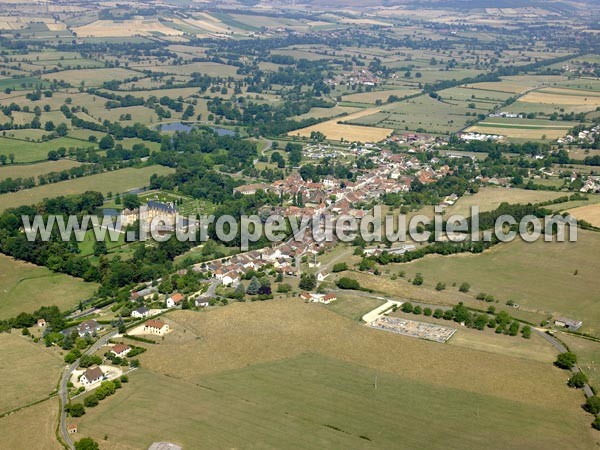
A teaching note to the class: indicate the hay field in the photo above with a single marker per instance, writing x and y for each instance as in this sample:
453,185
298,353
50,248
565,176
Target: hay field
125,28
559,96
539,276
91,77
116,181
31,428
372,97
587,355
337,131
283,373
33,378
519,84
589,213
25,287
33,170
519,131
319,113
489,198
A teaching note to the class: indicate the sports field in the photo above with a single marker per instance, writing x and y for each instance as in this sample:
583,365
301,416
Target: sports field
25,287
270,373
35,376
117,181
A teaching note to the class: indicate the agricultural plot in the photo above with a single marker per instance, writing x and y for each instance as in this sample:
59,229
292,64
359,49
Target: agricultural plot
32,427
589,213
334,130
320,113
348,391
212,69
531,274
34,170
373,96
125,28
117,181
26,287
90,77
489,198
35,376
28,151
520,131
428,115
519,84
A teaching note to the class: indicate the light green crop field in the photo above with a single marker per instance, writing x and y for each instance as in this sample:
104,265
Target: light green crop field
25,287
33,170
33,378
26,151
539,276
117,181
284,374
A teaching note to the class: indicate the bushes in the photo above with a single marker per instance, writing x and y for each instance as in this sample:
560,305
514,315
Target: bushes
566,360
339,267
348,283
106,389
75,409
578,380
89,360
418,280
592,405
464,287
526,332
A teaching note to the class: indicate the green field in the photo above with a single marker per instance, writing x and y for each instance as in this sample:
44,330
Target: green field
117,181
25,287
26,151
539,276
34,170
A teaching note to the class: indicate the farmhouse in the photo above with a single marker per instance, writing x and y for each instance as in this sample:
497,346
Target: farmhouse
140,312
41,323
156,327
120,350
570,324
72,428
164,446
91,376
174,300
251,189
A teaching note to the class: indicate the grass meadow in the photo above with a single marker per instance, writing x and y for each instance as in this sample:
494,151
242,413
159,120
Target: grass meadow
35,376
32,427
25,287
116,181
272,374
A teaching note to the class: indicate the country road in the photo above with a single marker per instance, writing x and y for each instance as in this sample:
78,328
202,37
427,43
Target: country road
63,391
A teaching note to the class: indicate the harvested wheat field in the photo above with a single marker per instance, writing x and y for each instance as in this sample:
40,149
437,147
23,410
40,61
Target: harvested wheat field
557,96
125,28
589,213
520,132
335,131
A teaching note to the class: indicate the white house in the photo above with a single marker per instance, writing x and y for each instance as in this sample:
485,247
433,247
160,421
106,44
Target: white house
174,300
140,312
202,302
91,376
230,278
322,275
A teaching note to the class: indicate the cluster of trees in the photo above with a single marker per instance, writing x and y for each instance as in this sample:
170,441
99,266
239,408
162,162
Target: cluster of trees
501,322
106,389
